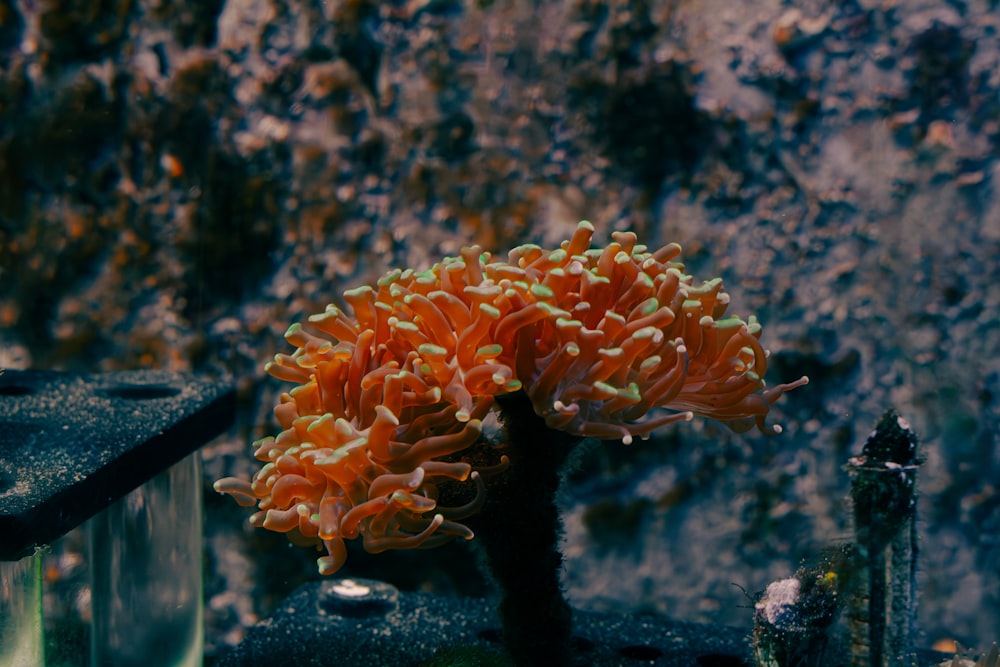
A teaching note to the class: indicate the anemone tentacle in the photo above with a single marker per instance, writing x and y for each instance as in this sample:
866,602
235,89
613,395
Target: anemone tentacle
608,343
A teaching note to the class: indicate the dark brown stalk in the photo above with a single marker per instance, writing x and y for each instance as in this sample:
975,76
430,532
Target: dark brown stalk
520,532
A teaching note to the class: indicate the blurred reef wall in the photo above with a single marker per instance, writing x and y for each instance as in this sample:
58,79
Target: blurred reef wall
180,180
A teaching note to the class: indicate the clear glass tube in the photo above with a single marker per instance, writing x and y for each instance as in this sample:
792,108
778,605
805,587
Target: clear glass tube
145,555
21,643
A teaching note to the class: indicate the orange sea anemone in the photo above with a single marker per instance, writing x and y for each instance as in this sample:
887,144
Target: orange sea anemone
607,343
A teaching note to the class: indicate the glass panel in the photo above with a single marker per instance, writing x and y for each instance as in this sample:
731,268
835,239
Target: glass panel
21,613
146,571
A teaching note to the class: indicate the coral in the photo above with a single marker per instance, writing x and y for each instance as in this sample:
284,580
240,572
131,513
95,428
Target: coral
391,402
990,658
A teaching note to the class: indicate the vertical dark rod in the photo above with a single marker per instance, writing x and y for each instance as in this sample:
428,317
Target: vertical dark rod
876,607
520,537
902,592
883,604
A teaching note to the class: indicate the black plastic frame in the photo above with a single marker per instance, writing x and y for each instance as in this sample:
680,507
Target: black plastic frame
70,445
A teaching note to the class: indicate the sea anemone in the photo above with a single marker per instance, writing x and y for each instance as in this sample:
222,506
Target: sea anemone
607,343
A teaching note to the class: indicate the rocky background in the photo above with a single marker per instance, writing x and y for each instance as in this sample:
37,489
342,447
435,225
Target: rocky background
181,180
